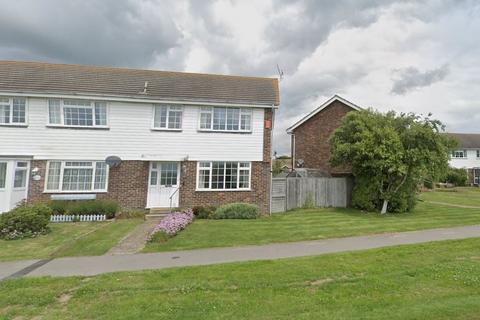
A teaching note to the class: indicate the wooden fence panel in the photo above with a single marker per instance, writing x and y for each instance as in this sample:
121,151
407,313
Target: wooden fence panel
291,193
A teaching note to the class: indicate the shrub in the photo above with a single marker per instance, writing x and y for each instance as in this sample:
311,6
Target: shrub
236,211
90,207
127,213
204,212
171,225
457,177
58,206
25,221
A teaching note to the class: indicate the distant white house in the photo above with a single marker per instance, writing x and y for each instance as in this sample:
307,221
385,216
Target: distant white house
467,155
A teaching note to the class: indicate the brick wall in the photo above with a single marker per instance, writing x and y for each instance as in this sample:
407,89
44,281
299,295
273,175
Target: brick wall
127,184
311,138
258,195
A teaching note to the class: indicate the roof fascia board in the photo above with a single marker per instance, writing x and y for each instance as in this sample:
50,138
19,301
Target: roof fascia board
131,99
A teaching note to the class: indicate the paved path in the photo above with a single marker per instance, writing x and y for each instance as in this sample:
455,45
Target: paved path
453,205
88,266
135,241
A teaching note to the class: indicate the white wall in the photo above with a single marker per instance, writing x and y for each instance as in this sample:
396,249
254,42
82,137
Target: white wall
470,162
130,137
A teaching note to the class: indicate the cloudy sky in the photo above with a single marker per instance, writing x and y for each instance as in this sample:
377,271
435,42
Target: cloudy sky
420,56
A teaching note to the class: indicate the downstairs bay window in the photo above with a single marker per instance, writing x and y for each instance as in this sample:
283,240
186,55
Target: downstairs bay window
76,176
223,175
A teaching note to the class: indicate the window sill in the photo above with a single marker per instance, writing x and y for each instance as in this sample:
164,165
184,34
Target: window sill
59,126
165,129
14,125
75,192
222,190
224,131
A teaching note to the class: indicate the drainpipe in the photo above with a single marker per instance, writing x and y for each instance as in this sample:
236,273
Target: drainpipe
271,162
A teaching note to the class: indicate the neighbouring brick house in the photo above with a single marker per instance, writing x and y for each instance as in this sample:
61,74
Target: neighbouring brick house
310,136
467,155
171,138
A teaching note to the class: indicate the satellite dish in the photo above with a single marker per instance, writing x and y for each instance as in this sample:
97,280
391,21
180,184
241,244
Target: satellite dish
113,161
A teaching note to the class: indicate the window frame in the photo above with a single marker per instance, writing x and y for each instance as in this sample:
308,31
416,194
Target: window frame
62,171
242,111
10,102
91,106
464,152
198,188
5,178
26,171
168,106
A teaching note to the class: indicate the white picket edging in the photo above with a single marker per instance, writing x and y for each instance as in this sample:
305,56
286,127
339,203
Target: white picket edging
80,218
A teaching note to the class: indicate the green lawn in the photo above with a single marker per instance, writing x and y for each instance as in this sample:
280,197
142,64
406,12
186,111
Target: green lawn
461,196
313,224
69,239
438,280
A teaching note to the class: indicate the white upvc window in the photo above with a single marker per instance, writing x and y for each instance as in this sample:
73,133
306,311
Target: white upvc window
459,154
13,111
21,173
223,175
3,174
478,153
77,113
76,176
225,119
167,117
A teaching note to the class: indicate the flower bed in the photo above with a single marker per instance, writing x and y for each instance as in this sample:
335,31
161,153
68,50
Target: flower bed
171,225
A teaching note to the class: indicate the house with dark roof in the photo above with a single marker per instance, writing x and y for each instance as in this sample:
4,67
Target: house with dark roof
144,138
310,147
467,155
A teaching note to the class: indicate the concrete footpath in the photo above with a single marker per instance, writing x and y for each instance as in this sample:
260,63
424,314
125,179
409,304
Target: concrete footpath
89,266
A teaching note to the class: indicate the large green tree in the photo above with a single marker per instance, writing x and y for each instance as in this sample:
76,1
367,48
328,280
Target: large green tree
390,154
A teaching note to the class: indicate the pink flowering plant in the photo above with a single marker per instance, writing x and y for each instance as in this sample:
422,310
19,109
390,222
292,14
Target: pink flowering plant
172,224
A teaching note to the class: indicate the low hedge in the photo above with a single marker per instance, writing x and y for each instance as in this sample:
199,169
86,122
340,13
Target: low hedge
201,212
25,221
236,211
85,207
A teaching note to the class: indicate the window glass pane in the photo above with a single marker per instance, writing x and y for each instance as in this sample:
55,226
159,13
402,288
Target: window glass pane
83,103
77,179
3,174
160,117
168,173
175,118
204,178
78,164
244,175
4,113
218,175
231,175
100,176
100,113
53,176
18,112
74,116
246,119
233,117
219,115
205,120
54,115
153,178
20,180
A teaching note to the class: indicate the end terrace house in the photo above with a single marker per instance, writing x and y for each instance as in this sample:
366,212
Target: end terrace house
147,139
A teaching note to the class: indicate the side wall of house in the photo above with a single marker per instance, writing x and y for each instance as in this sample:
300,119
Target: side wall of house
311,138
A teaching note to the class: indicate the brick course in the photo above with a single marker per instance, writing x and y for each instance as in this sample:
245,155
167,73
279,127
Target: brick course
311,138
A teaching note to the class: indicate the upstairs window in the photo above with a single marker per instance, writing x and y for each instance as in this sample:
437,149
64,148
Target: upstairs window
226,119
167,117
13,111
77,113
459,154
478,153
76,176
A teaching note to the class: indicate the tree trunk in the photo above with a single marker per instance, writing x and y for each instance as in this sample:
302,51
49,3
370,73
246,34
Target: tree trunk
384,207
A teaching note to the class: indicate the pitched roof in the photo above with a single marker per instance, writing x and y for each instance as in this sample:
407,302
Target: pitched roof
467,140
48,78
320,108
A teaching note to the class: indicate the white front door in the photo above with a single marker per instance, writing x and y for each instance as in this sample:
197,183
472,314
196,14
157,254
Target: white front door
13,183
163,184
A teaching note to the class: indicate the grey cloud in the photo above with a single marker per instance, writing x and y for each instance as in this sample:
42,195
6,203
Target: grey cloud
111,32
411,78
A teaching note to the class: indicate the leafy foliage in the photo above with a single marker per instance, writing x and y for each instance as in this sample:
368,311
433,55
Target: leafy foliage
206,212
236,211
25,221
127,213
390,154
89,207
171,225
456,176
